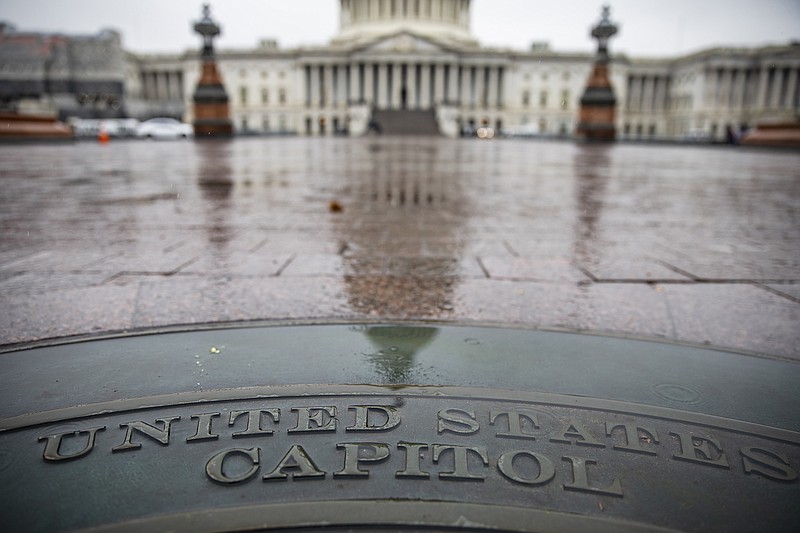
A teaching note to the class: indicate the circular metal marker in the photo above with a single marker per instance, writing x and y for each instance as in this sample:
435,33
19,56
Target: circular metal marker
396,427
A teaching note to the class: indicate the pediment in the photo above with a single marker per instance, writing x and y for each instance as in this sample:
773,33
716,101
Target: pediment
405,43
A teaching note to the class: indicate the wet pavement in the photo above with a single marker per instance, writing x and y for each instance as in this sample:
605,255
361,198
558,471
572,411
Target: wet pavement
697,244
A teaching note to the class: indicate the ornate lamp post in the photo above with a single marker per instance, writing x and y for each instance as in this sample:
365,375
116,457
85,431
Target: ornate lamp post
211,113
598,103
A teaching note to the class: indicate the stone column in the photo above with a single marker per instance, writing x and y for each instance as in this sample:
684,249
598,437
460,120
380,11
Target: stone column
342,80
653,93
336,88
397,85
733,83
161,89
751,89
796,94
345,15
642,101
740,78
382,85
353,93
647,94
658,94
636,93
777,83
175,86
314,75
439,85
157,89
501,89
424,9
763,80
480,87
411,86
492,89
425,87
452,84
149,86
791,88
464,96
724,88
181,88
369,84
145,86
327,86
659,102
167,85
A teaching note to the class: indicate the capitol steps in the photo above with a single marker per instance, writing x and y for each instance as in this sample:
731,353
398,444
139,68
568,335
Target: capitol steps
405,122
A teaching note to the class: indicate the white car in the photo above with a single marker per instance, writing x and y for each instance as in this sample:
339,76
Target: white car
164,128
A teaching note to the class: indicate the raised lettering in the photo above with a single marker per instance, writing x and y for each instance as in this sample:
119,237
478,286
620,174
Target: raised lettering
323,419
299,463
457,421
769,464
52,449
203,427
215,467
362,418
516,422
580,478
696,449
353,457
461,461
634,436
413,468
573,432
255,420
159,435
544,465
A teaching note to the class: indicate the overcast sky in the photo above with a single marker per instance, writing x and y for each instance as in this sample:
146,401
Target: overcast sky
648,27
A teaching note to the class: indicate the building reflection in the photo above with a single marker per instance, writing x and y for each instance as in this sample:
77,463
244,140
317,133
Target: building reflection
403,225
591,167
215,181
395,349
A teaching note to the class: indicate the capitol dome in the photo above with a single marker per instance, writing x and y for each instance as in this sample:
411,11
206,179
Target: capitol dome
365,20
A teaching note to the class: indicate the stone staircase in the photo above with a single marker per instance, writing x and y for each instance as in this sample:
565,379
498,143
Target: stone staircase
405,122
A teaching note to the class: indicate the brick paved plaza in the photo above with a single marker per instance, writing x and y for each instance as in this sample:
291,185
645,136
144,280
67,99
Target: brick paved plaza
697,244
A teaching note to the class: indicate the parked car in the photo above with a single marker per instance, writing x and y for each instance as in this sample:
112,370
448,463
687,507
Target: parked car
696,135
525,130
113,127
164,128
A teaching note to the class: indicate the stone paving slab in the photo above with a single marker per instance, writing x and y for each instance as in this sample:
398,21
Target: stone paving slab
67,312
692,244
630,269
792,290
521,302
195,300
524,269
236,263
625,308
734,315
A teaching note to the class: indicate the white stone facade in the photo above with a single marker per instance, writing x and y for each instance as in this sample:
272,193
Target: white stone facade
419,54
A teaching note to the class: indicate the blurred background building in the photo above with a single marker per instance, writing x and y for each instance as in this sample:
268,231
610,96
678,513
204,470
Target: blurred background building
404,65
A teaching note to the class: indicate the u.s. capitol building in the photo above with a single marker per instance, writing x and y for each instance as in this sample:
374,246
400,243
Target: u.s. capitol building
418,59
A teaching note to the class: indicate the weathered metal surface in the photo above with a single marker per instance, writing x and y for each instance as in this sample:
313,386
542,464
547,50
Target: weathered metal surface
396,427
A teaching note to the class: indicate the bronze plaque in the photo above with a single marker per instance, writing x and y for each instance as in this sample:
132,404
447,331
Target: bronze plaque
395,456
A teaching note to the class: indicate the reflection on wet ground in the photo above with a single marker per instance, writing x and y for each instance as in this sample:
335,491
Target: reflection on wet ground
688,243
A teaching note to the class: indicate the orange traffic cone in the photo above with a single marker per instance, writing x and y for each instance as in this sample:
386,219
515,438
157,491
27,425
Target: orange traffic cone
103,137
